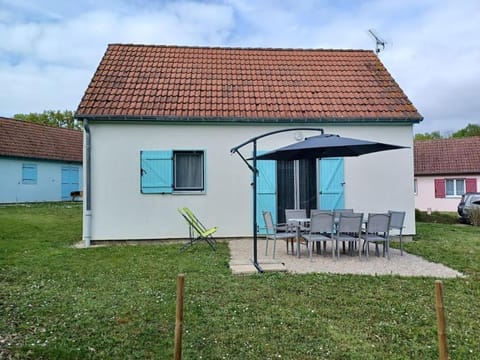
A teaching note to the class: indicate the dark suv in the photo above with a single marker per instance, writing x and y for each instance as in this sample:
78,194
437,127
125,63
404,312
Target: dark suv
469,200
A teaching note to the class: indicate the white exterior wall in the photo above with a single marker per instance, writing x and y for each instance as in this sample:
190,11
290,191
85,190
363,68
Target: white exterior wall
47,188
375,182
425,197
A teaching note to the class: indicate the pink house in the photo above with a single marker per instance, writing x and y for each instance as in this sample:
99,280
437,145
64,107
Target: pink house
444,170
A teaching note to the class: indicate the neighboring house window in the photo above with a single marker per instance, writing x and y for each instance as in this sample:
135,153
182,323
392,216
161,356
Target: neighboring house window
415,189
454,187
168,171
29,174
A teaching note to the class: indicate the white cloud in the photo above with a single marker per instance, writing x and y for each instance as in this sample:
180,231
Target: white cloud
49,50
31,90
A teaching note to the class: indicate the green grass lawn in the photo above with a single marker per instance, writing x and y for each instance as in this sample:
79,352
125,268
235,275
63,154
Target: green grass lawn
58,302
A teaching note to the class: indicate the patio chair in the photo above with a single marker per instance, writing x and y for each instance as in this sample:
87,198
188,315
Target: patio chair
337,213
377,231
396,223
273,232
197,231
296,214
315,211
349,230
321,229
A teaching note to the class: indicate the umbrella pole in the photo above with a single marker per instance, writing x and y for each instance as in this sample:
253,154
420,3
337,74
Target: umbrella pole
255,225
255,173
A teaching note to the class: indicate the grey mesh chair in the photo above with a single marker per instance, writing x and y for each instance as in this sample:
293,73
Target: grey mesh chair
321,229
337,213
298,227
378,228
273,232
349,230
397,219
315,211
295,214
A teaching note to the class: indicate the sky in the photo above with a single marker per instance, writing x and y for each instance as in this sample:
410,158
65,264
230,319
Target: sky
50,49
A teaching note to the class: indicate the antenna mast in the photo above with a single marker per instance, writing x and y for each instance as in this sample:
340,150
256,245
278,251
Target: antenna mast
379,42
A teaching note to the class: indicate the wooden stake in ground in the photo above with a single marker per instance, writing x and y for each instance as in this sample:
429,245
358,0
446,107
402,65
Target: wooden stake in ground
177,355
442,335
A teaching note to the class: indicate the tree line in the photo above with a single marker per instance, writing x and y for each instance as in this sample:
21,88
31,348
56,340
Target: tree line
467,131
63,119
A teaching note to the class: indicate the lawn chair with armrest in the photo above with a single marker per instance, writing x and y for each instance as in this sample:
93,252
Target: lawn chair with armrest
276,231
197,231
349,230
321,229
377,231
397,219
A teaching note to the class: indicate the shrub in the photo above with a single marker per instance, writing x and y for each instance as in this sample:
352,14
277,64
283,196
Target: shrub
475,216
435,217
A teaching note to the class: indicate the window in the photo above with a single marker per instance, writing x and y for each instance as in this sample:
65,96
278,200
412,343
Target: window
29,174
188,170
168,171
454,187
415,188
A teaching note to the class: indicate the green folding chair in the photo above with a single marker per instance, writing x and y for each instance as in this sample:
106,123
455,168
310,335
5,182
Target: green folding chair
197,231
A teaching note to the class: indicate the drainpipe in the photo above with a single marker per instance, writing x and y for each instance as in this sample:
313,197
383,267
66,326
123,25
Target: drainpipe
87,236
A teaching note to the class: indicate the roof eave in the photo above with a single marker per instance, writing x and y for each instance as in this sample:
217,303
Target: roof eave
41,158
227,119
449,173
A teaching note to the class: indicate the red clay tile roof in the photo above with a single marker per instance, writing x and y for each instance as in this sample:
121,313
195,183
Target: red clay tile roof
231,84
28,140
447,156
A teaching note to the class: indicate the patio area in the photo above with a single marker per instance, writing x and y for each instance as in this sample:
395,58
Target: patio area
241,253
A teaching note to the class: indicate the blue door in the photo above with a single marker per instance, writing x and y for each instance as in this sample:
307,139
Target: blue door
266,191
331,184
70,181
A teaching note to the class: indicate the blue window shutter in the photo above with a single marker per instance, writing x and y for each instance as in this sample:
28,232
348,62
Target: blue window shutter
331,179
156,172
29,174
266,190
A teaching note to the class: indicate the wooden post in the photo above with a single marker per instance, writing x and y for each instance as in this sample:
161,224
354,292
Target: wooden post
177,355
442,336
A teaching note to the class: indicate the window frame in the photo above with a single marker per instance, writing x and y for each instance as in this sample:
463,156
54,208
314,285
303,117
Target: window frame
455,180
200,188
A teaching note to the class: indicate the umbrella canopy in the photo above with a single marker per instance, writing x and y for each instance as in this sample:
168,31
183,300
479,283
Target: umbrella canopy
326,145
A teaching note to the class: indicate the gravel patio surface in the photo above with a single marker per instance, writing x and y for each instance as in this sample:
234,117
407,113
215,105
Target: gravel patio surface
241,253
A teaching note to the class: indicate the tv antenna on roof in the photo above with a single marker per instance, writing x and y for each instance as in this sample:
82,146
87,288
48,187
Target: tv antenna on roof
379,42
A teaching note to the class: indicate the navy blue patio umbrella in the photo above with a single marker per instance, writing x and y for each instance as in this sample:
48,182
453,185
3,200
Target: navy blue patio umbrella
324,146
314,147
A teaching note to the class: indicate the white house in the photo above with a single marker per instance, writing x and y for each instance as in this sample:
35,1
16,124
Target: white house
160,122
444,170
38,162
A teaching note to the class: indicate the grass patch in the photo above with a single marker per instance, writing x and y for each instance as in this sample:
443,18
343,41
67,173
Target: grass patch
119,302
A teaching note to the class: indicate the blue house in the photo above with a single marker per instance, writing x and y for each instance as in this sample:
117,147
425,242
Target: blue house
38,162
